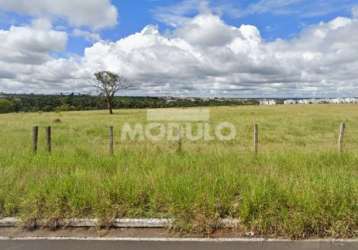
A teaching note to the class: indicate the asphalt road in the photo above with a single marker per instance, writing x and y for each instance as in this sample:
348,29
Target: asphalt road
112,244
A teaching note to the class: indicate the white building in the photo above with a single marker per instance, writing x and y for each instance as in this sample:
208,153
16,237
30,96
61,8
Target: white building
288,102
323,101
268,102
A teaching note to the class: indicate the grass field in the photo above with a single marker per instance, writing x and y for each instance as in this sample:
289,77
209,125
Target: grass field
298,185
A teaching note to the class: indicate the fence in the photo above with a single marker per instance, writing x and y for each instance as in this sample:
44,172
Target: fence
35,135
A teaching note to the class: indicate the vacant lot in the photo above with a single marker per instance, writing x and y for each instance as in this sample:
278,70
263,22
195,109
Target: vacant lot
297,186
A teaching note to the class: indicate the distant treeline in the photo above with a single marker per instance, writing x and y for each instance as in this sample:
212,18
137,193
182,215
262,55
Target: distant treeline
47,103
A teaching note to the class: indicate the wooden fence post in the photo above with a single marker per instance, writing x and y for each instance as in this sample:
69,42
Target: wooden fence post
111,140
180,139
35,138
256,138
341,137
48,139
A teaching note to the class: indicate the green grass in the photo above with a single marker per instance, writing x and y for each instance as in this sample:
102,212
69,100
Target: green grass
298,186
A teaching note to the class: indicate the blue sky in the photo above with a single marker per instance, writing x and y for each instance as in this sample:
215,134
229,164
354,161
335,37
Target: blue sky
135,15
71,38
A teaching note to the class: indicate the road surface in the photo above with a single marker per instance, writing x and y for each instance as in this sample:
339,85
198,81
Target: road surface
175,244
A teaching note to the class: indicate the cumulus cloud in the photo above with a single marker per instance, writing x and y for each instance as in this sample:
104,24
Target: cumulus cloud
24,53
95,14
205,56
208,56
87,35
197,31
30,44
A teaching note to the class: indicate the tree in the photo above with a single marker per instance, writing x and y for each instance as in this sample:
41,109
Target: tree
6,106
109,84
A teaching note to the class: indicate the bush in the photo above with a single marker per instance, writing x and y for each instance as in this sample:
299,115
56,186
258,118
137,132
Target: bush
65,107
6,106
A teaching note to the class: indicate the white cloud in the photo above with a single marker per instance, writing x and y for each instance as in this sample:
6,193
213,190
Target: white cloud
318,59
197,31
89,36
205,56
31,44
177,14
96,14
301,8
355,12
273,6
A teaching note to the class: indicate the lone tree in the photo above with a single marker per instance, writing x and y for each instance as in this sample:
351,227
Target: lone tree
109,84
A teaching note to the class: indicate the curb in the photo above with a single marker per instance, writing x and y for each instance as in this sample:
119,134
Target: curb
116,223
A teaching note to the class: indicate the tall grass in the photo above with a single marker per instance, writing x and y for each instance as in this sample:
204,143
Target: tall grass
297,186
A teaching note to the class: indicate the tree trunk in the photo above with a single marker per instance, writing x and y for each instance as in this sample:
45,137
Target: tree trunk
110,106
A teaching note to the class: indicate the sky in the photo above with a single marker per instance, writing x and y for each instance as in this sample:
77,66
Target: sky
221,48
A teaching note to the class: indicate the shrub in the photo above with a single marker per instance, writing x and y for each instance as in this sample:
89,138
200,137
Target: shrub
6,106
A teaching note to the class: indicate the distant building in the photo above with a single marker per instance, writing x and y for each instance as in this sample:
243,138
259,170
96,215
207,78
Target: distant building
287,102
268,102
322,101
